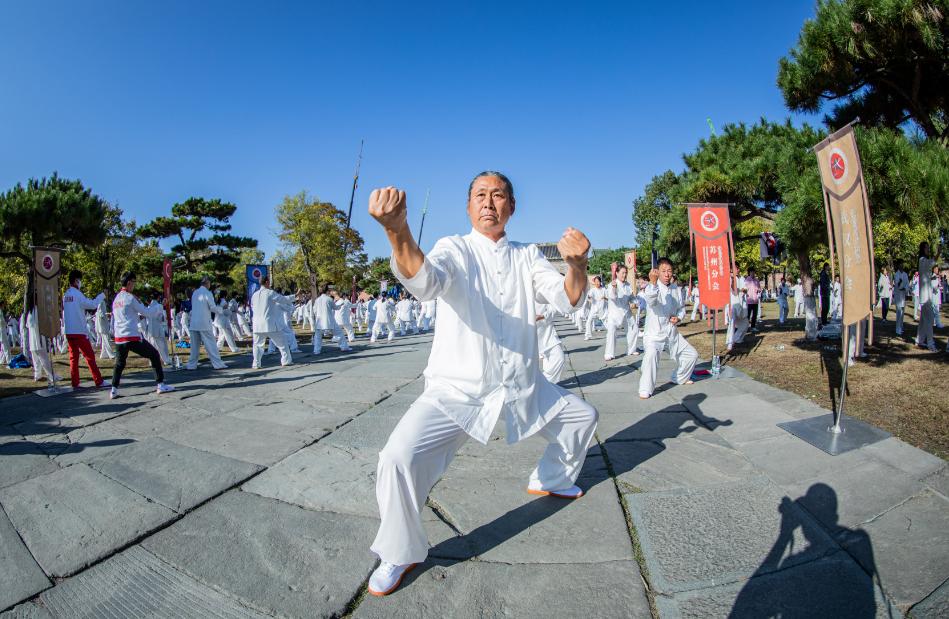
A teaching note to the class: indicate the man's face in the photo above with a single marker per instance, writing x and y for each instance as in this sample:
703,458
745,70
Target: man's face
665,273
621,275
490,206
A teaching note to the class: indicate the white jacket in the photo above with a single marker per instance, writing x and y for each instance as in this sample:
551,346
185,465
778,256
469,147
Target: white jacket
156,319
619,297
269,310
662,303
75,305
323,310
126,309
403,310
344,313
202,306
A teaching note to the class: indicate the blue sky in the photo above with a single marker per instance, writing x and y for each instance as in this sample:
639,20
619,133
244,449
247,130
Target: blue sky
579,103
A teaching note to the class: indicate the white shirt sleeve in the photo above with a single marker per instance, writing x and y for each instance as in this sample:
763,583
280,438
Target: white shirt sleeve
436,273
549,284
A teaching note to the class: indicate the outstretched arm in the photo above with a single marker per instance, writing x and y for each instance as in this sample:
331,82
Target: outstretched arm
574,247
387,206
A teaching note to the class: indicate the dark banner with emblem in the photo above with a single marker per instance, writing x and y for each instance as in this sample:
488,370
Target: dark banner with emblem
47,301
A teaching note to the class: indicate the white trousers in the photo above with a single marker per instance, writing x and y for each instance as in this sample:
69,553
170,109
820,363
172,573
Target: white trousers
407,324
900,312
318,341
350,334
632,337
225,334
782,311
695,309
160,344
279,339
210,346
590,323
377,330
924,330
681,352
553,362
105,348
798,307
42,365
425,442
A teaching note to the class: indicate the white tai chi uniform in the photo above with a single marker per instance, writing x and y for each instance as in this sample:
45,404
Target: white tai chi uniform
324,309
385,310
597,309
798,290
548,344
618,315
924,301
936,287
738,323
428,314
344,317
783,292
900,289
222,322
102,330
484,366
662,303
268,309
39,349
25,334
403,315
202,307
835,300
156,332
916,303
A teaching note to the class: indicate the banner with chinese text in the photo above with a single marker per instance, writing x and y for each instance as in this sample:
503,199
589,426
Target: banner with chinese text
710,227
46,267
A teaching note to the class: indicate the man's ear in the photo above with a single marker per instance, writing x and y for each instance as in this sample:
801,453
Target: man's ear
513,205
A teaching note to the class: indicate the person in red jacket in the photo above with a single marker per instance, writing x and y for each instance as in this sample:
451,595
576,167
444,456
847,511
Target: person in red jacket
75,305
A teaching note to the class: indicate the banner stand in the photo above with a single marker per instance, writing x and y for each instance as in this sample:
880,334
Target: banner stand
716,360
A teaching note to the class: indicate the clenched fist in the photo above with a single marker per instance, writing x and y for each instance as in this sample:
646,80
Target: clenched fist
387,206
653,276
574,247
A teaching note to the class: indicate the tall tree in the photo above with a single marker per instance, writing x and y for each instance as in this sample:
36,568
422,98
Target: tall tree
886,61
102,264
316,233
204,246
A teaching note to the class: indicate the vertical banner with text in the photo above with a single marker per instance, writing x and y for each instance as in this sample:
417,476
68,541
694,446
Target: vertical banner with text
849,226
710,227
46,268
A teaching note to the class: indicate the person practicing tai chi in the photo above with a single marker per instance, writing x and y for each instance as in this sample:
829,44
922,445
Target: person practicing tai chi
619,295
484,364
552,356
75,306
664,310
202,308
598,307
126,311
267,308
324,319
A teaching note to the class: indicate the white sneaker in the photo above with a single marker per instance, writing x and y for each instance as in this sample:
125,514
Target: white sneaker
163,388
573,492
387,577
114,393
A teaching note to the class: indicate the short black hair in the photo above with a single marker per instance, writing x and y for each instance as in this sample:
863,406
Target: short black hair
663,260
127,277
504,179
74,275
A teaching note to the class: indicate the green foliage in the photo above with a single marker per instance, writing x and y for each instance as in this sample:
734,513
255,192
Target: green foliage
317,245
238,274
204,244
600,263
885,61
376,271
897,242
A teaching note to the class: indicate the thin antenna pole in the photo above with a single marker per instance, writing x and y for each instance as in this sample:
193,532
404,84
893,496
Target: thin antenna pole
352,196
421,226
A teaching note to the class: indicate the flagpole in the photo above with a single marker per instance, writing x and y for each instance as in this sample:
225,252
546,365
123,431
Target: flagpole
352,196
424,210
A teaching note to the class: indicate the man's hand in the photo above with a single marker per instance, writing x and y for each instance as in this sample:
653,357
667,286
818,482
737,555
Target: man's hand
574,247
387,206
653,276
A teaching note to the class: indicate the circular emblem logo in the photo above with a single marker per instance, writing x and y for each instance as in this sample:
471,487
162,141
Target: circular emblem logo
257,274
838,166
709,221
168,270
48,262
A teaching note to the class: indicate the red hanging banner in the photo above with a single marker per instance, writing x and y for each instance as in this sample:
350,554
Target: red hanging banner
711,228
167,271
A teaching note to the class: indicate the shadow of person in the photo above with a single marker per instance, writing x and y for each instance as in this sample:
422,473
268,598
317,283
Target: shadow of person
632,446
818,586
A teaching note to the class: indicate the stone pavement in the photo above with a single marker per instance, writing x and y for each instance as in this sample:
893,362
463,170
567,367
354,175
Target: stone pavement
250,493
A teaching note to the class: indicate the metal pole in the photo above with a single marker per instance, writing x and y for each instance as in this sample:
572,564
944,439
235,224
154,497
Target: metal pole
352,196
716,362
424,210
838,412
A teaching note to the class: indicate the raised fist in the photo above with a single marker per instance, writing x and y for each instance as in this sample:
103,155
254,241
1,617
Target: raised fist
387,206
574,247
653,276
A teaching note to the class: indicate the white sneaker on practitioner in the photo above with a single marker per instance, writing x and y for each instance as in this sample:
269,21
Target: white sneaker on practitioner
387,577
114,393
163,388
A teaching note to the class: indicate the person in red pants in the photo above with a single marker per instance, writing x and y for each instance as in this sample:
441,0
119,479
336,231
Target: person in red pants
75,305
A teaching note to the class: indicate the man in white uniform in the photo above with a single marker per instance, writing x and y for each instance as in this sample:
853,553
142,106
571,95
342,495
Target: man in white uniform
403,315
924,300
385,309
619,295
597,298
156,333
202,308
798,290
900,290
664,310
428,314
783,292
738,322
103,324
267,308
549,345
488,286
344,315
324,319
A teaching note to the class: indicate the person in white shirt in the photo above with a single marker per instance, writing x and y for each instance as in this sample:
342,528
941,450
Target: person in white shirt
924,300
126,310
836,301
900,290
75,306
403,314
344,315
222,322
6,344
549,345
39,349
324,319
428,313
782,294
597,297
619,295
916,302
202,309
884,292
103,326
267,310
664,310
696,303
798,290
483,366
385,310
156,332
936,286
738,323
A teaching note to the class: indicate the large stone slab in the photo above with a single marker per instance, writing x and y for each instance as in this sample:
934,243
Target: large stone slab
350,389
28,610
936,606
135,583
711,536
75,516
398,368
176,476
22,459
788,460
158,420
20,576
366,432
660,425
502,523
298,414
441,588
911,460
631,404
275,556
257,442
831,587
751,419
906,547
